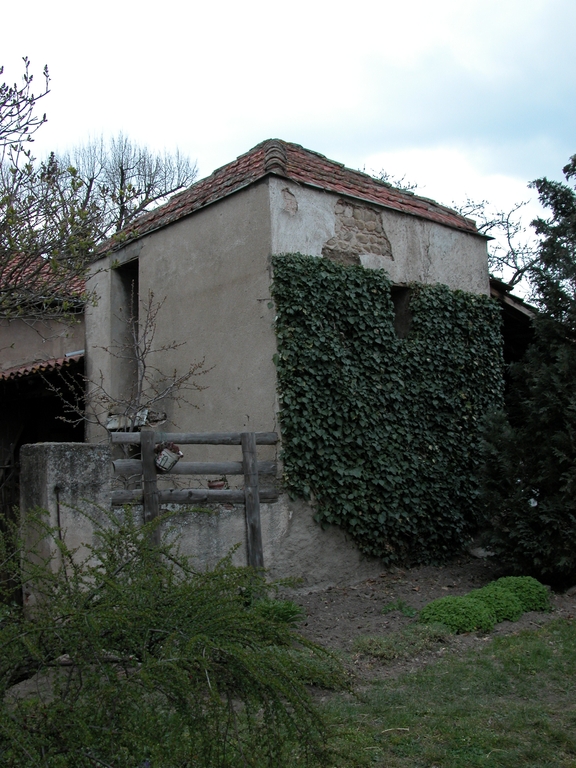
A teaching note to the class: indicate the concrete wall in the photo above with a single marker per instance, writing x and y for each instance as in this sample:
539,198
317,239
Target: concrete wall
71,483
212,271
24,341
294,545
410,249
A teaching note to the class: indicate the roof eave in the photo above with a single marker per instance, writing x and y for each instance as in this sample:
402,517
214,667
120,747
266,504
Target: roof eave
255,180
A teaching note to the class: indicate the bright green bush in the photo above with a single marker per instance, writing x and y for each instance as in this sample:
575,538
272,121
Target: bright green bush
145,661
532,595
501,601
505,599
459,614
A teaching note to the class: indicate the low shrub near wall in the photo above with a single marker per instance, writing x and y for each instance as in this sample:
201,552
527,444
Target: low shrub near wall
383,432
503,600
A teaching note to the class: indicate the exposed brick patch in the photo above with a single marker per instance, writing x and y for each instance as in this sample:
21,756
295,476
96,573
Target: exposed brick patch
358,230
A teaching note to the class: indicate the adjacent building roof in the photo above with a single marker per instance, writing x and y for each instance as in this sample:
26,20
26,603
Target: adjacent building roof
293,162
45,366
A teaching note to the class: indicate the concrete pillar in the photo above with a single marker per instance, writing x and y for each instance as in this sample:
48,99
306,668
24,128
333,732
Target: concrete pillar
71,483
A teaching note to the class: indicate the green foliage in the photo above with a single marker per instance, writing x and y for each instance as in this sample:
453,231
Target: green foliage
532,595
459,614
530,457
381,431
132,658
504,604
400,605
283,611
409,642
503,600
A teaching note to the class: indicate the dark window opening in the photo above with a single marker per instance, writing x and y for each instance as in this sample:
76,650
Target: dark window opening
126,289
402,314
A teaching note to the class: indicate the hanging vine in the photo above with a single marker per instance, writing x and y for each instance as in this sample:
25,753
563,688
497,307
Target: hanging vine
383,432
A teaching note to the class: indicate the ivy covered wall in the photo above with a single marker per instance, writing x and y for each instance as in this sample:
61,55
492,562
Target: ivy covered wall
382,432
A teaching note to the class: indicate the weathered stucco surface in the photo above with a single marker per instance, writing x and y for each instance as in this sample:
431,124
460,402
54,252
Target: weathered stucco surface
71,483
294,545
212,272
350,231
24,341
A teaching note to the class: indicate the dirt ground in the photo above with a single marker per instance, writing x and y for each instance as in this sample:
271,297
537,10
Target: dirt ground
337,616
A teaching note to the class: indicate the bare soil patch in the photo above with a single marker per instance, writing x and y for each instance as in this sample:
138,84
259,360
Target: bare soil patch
336,617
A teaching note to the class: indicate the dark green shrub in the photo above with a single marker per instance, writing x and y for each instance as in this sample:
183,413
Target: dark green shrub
283,611
532,595
459,614
502,602
132,658
530,458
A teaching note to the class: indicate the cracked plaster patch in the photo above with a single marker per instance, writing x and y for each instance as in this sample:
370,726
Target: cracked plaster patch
359,231
290,204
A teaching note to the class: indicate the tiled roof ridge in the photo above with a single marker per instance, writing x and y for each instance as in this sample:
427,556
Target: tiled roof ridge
299,165
41,366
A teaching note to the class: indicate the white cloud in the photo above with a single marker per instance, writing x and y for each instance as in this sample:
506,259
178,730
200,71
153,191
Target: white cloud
484,87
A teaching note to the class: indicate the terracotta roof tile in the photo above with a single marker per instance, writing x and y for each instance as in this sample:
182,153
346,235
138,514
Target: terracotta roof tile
44,366
37,275
293,162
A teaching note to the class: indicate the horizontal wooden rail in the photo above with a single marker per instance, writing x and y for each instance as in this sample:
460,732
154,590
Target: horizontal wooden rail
129,467
150,496
191,496
195,438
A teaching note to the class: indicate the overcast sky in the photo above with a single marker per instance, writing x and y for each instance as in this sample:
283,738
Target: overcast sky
464,97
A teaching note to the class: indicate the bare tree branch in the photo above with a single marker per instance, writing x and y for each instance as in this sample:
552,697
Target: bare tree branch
123,179
152,385
53,213
18,119
514,251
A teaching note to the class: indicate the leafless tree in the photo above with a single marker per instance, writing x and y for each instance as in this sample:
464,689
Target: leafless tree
122,179
514,250
46,236
151,385
53,213
18,118
400,182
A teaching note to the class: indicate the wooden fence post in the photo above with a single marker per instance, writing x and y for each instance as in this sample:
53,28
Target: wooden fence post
252,501
151,505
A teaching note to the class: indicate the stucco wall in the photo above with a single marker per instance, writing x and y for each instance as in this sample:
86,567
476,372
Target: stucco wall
410,249
25,341
294,545
212,271
71,482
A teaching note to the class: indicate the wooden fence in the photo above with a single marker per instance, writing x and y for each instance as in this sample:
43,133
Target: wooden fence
151,497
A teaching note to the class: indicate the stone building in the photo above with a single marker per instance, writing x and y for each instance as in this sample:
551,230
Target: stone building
206,256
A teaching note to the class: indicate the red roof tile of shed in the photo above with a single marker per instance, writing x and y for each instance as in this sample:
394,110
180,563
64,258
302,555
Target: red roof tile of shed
44,366
293,162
